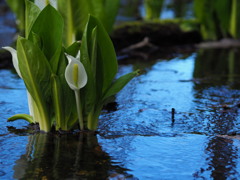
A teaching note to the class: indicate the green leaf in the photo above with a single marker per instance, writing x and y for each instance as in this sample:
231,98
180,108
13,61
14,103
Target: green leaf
31,14
119,84
58,103
106,61
18,7
36,40
223,13
88,93
110,13
65,9
26,117
105,10
54,62
99,59
73,49
49,26
36,73
93,51
68,97
153,8
234,21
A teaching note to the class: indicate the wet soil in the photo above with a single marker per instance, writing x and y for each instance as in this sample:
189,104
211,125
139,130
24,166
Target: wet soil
160,33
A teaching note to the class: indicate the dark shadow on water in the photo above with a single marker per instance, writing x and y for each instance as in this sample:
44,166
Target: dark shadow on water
218,67
217,85
66,157
222,160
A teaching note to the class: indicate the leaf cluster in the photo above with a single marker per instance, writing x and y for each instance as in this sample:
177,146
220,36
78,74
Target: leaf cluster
42,64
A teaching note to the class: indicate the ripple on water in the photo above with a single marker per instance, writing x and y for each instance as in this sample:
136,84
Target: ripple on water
139,139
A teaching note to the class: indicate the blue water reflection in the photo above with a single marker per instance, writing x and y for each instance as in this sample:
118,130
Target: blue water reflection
139,139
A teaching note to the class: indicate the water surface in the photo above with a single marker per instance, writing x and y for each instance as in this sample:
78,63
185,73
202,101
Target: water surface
142,138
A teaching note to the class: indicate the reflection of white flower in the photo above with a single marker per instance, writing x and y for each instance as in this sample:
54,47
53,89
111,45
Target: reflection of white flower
14,59
42,3
75,73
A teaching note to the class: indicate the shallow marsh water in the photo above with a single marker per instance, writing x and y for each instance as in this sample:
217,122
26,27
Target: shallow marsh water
140,139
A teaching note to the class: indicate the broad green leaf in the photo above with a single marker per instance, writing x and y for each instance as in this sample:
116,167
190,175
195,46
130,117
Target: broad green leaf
208,27
73,49
69,105
106,61
18,7
110,13
88,93
99,59
96,7
105,10
235,18
31,14
223,14
93,50
36,73
36,39
80,11
72,120
54,62
58,103
66,10
153,8
26,117
75,15
119,84
49,26
34,67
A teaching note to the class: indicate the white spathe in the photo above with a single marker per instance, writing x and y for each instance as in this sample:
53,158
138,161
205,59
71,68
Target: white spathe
81,73
42,3
15,65
14,59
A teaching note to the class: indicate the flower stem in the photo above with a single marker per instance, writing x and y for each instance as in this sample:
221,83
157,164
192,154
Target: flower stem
79,109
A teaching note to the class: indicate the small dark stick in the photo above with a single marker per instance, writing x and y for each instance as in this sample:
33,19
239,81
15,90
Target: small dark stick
173,114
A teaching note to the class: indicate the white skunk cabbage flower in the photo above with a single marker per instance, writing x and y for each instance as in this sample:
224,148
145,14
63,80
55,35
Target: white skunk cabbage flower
15,65
75,73
42,3
14,59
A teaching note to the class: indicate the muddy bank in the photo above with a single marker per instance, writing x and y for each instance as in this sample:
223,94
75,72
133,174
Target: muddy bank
160,33
142,40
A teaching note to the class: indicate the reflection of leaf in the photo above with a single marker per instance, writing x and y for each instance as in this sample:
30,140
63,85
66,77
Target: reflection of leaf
83,153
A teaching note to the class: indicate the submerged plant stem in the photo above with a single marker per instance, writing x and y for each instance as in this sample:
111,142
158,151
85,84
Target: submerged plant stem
79,109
